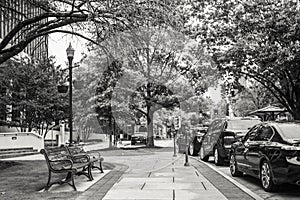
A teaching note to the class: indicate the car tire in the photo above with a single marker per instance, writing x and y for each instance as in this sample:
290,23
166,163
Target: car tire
234,167
193,149
202,156
133,142
217,158
266,177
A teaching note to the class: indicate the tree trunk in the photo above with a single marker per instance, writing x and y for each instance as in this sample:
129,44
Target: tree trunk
296,114
110,132
150,138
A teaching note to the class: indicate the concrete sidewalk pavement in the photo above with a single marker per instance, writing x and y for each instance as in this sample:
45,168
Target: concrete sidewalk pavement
158,176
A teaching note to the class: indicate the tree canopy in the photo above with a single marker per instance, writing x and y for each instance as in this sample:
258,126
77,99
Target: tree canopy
31,90
256,39
92,20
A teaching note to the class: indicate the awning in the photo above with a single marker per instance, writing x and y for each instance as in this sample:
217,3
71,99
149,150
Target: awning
268,113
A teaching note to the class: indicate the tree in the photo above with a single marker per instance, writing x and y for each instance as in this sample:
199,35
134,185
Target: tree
257,40
30,89
104,92
92,20
88,74
161,69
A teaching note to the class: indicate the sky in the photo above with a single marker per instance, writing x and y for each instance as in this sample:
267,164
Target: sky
58,43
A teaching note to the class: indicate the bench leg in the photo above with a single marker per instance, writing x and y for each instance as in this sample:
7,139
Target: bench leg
68,177
100,167
87,171
48,183
90,171
73,184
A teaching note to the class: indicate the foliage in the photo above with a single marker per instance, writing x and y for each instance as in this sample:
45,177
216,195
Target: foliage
31,91
92,20
161,69
255,39
104,93
89,73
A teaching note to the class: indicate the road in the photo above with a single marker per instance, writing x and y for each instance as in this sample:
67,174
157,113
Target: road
286,191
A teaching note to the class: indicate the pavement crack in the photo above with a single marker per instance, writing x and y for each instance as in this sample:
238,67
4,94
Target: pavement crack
203,185
143,186
173,194
149,174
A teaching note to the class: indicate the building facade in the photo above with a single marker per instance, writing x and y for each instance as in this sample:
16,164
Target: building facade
12,12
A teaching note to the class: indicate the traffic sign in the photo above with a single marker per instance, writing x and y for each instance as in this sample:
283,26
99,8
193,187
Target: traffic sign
177,122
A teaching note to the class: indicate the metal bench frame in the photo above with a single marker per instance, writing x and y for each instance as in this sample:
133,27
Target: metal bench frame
59,161
93,156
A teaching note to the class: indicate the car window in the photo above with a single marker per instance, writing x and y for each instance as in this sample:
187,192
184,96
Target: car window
252,134
276,137
242,124
264,133
289,130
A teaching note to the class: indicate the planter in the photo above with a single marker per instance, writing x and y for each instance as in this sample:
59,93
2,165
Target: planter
62,88
78,84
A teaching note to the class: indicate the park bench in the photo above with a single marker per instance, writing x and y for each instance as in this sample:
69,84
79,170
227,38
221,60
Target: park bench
59,160
94,156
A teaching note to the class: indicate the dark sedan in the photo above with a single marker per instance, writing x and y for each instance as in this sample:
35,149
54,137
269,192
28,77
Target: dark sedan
221,134
194,140
270,151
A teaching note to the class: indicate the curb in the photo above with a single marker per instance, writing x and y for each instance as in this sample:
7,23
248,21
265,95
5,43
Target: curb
99,189
240,186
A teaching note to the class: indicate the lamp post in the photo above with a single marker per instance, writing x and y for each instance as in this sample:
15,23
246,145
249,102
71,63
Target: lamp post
70,55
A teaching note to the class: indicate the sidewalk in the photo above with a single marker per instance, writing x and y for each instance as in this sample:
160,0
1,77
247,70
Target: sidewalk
159,176
145,174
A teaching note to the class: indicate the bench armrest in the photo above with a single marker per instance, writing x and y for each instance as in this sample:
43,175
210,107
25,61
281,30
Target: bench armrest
80,158
61,164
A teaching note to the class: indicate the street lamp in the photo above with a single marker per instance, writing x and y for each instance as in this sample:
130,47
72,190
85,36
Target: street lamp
70,55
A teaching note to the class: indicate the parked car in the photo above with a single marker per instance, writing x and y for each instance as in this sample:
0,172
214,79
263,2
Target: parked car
270,151
140,137
194,140
221,134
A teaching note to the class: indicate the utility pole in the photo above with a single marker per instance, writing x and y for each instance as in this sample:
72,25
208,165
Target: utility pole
186,151
177,125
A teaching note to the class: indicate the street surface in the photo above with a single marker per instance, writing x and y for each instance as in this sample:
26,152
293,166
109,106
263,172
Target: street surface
286,191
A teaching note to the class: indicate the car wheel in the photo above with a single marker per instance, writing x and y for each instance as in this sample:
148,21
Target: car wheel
218,158
202,156
233,167
133,142
193,150
266,177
